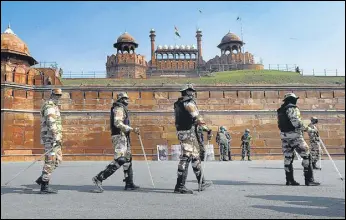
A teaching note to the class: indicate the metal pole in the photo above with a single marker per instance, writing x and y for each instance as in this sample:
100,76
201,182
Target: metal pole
30,165
325,149
241,29
145,157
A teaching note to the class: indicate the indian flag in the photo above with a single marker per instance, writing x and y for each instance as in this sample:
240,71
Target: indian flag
177,31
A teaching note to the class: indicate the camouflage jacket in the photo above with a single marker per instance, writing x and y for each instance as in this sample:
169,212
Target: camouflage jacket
223,137
313,133
119,117
191,107
51,126
246,138
295,118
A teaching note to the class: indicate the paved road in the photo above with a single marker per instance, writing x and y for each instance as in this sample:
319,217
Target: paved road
241,189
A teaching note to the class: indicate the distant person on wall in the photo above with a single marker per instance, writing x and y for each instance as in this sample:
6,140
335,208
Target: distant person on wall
291,132
51,138
314,142
223,139
297,69
120,131
245,145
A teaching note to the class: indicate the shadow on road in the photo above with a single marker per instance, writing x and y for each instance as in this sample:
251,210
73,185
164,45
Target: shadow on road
239,183
309,205
35,189
274,168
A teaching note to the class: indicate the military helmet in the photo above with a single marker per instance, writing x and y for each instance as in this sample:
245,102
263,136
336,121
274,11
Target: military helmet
121,95
247,130
314,120
186,87
57,91
223,128
288,95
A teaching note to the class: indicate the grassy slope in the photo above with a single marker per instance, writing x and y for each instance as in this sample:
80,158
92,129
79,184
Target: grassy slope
221,78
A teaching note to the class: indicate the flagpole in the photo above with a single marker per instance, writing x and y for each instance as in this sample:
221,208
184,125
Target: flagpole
242,39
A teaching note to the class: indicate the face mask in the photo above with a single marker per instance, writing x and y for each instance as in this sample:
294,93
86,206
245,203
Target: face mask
125,102
56,99
190,93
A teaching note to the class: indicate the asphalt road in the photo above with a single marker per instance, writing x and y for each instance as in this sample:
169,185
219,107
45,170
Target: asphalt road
241,189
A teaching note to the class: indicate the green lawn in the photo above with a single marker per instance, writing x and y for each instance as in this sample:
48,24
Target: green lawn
221,78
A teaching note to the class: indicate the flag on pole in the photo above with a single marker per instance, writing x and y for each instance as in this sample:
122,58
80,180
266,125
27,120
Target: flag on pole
238,18
177,31
200,11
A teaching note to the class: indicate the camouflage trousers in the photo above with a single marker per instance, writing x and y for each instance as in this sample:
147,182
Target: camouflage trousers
294,141
122,150
315,151
122,157
245,149
190,152
224,150
51,160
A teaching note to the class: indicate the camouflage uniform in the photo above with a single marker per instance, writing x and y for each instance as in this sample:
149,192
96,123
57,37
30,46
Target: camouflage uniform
292,128
120,129
187,118
51,138
246,139
314,142
223,139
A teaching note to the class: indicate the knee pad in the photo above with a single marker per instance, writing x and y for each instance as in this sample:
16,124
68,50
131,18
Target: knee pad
121,161
184,163
127,166
196,163
288,160
306,161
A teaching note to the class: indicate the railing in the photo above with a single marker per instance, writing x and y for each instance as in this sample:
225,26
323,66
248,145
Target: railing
283,67
325,72
46,65
89,74
189,73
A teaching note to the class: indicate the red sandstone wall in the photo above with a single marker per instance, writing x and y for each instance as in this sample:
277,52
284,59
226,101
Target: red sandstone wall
88,132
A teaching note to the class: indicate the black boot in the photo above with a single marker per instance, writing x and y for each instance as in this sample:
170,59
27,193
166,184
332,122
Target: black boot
242,158
39,181
309,177
110,169
248,158
180,186
205,184
314,166
45,189
290,179
129,180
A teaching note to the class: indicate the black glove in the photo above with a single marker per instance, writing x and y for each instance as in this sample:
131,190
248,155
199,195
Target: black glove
57,144
210,135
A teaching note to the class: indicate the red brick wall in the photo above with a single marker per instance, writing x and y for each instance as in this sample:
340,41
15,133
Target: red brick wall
88,132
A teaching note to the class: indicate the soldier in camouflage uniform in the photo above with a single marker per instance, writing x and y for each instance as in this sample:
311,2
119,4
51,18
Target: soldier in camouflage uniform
223,139
51,138
120,131
292,128
314,142
187,118
246,139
